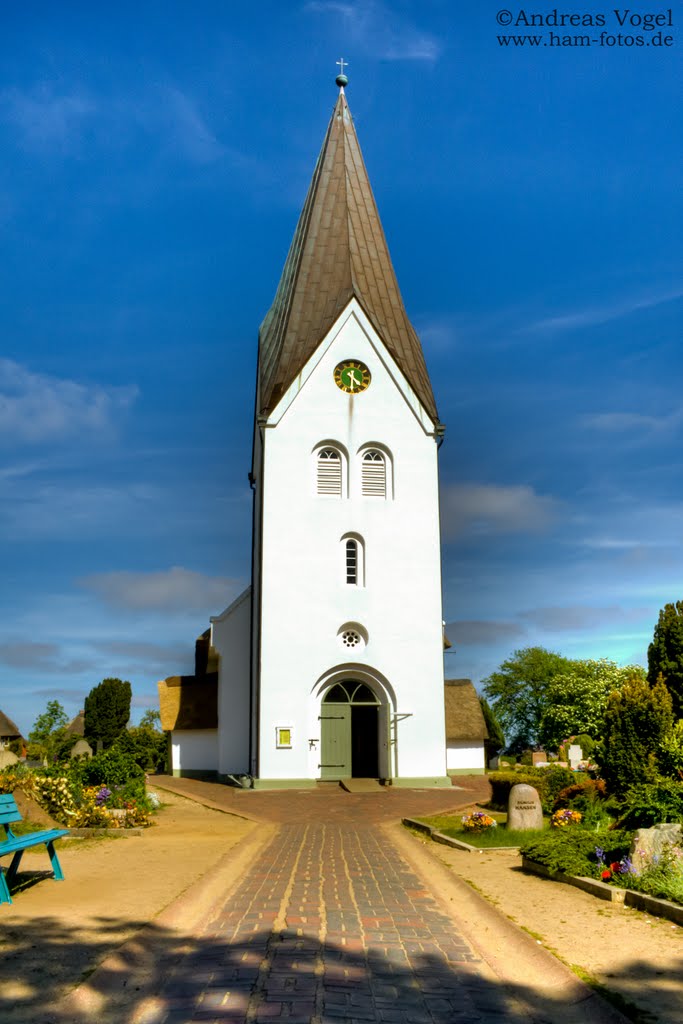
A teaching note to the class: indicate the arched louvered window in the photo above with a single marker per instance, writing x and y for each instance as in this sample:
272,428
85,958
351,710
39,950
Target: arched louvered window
329,472
374,474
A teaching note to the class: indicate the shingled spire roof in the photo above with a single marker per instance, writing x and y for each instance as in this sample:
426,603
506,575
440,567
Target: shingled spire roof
338,252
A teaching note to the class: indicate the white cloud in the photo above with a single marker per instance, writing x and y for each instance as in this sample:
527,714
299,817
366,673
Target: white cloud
188,128
24,654
73,509
174,589
45,118
58,122
581,617
619,422
378,29
487,508
35,407
463,633
603,314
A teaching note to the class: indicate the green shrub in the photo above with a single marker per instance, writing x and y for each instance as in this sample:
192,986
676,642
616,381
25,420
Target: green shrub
547,781
572,850
590,798
147,746
663,880
526,758
111,767
650,803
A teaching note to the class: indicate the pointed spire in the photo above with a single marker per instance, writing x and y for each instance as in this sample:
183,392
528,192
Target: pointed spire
338,252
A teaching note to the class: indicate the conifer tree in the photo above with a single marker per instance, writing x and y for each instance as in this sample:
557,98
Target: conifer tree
107,710
665,654
638,721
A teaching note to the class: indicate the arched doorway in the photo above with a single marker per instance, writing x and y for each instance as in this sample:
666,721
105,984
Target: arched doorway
349,732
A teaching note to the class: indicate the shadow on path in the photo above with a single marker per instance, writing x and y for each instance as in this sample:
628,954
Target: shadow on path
166,977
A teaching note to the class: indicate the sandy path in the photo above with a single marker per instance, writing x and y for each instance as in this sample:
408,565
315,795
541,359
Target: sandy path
636,956
55,933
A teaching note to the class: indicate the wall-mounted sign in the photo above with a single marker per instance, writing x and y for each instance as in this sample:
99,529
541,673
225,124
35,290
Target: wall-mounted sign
283,736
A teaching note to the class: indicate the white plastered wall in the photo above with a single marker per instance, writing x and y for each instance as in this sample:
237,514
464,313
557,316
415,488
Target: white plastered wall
194,750
465,756
304,598
230,636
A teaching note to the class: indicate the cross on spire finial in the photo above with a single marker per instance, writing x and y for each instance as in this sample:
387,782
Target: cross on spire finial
341,78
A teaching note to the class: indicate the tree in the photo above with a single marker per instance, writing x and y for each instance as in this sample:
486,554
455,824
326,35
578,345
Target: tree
48,735
665,654
146,742
151,718
638,722
576,700
107,710
518,690
496,741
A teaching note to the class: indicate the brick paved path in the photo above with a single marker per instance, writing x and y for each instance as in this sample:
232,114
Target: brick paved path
330,926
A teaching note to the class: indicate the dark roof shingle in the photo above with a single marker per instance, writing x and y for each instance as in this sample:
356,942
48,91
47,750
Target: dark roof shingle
338,252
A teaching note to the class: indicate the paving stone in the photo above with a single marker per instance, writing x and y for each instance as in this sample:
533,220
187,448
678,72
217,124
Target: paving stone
331,923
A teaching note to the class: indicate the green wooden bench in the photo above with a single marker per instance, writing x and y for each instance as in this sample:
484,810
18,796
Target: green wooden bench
9,812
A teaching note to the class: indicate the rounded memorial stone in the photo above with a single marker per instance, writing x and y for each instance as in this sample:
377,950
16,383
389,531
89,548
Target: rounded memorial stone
524,808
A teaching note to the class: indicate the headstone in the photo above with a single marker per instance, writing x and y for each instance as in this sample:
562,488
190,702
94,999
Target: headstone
524,808
7,758
539,757
81,748
648,844
575,754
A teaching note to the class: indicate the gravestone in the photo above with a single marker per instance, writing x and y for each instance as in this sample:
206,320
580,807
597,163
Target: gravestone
81,748
539,757
7,758
575,754
648,844
524,808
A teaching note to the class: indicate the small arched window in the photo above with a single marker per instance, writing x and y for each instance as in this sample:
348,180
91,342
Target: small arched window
374,474
353,558
329,472
352,562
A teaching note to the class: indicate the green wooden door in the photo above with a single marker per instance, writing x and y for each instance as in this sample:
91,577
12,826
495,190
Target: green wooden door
335,737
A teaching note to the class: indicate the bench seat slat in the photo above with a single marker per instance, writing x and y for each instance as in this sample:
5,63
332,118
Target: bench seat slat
31,839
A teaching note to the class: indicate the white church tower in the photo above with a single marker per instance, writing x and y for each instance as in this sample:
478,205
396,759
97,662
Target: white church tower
347,644
330,666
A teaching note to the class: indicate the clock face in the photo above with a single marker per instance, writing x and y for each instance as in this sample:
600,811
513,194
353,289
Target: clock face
352,376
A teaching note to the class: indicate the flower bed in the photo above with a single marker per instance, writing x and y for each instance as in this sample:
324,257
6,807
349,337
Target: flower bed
604,856
64,793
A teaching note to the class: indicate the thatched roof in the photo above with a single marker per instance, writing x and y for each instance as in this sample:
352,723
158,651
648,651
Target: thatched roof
464,717
8,729
189,702
77,725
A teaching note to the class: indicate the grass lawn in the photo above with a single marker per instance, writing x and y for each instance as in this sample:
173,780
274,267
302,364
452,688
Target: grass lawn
451,825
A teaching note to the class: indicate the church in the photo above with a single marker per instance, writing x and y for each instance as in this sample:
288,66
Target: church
330,665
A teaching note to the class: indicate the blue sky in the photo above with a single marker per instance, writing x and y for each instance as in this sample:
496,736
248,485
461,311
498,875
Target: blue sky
155,159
